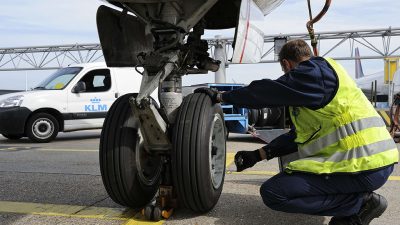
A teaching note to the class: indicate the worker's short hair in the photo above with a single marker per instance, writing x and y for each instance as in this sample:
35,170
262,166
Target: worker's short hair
295,50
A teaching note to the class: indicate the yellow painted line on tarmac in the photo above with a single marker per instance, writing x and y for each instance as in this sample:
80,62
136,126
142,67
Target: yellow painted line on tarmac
74,211
135,222
230,157
385,117
395,178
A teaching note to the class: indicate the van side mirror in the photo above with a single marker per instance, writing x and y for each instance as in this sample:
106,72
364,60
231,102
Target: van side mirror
79,87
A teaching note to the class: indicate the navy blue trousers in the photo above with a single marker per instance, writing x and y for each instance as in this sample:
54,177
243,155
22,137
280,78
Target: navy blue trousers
333,195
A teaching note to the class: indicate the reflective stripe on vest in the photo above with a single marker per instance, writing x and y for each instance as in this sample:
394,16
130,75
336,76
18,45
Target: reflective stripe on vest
341,132
362,151
345,166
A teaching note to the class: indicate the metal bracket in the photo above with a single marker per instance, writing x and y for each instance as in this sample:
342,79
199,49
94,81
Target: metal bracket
150,83
152,126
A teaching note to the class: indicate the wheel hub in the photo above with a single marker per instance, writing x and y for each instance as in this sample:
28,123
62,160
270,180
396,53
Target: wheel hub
148,165
217,151
43,128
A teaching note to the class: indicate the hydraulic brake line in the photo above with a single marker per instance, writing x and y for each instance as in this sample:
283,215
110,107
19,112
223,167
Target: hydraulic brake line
310,23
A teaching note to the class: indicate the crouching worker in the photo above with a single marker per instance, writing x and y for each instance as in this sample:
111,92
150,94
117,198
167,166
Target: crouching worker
345,150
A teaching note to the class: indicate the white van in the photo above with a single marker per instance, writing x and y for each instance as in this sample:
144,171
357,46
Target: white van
73,98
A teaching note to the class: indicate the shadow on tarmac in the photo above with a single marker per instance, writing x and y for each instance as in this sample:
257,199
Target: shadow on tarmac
243,209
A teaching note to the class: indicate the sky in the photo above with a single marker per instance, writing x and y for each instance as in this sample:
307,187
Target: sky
55,22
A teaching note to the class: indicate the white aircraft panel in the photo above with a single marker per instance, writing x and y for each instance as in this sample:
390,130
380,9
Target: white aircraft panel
249,38
267,6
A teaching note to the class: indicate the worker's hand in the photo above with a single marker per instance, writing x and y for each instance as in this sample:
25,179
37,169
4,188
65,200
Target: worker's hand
246,159
213,93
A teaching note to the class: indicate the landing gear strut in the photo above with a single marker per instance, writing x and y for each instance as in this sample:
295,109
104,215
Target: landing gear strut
156,158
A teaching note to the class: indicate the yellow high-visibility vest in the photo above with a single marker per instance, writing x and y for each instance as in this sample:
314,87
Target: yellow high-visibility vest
345,136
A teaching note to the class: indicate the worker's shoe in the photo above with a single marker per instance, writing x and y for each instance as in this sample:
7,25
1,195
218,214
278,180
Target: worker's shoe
374,205
347,220
373,208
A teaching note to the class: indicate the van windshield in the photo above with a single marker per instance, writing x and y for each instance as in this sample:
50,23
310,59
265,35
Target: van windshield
60,79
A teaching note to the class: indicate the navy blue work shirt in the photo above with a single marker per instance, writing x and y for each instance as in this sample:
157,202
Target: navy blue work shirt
312,84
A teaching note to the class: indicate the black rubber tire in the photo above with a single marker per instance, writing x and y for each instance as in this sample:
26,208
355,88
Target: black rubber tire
260,117
268,117
119,165
274,114
148,212
157,214
252,116
36,122
190,156
13,136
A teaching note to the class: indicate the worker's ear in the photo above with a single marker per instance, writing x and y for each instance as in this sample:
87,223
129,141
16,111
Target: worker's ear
285,64
288,65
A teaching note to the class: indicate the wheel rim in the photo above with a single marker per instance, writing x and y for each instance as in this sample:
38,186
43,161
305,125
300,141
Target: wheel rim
43,128
148,165
217,151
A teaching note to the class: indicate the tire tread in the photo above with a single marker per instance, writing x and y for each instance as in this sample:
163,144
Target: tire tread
190,162
113,162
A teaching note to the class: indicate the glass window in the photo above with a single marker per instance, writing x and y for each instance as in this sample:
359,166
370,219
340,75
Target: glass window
97,80
60,79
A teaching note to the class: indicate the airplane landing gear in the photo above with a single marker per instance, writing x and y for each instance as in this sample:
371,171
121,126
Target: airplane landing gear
175,153
191,173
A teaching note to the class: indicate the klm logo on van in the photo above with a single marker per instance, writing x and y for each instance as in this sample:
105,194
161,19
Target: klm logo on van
95,106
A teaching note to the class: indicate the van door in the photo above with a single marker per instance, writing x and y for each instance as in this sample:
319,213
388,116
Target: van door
87,109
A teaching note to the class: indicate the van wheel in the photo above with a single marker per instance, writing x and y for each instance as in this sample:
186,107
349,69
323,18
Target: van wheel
13,136
198,153
130,174
42,127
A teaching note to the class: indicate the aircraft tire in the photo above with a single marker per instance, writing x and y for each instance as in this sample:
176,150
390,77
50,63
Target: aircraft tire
130,175
199,152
